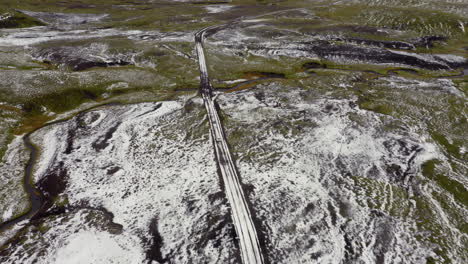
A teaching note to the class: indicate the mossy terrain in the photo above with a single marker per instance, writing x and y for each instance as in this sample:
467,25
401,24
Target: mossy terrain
14,19
452,186
36,90
425,99
424,210
420,21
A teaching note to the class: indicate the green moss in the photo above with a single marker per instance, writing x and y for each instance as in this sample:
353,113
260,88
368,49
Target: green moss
428,220
18,20
455,45
164,16
61,201
62,101
371,192
453,149
378,108
454,212
418,20
369,103
239,66
457,189
4,146
42,228
192,121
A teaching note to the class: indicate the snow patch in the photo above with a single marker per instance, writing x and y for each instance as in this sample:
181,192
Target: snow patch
7,214
49,146
35,35
444,85
141,163
217,8
99,247
304,183
14,199
451,58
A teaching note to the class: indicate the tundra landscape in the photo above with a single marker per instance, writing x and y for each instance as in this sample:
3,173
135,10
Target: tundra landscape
233,131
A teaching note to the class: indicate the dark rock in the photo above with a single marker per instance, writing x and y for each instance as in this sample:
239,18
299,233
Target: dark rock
267,74
75,59
54,182
313,65
103,141
428,41
154,250
113,170
378,43
332,51
346,28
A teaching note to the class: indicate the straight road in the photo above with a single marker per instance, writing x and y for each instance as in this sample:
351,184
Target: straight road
247,234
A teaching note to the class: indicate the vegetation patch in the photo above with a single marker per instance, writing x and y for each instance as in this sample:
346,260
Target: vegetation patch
457,189
14,19
420,21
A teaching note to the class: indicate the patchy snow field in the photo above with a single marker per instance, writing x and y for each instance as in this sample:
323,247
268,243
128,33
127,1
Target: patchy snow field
148,165
331,183
263,40
218,8
36,35
14,200
61,19
347,120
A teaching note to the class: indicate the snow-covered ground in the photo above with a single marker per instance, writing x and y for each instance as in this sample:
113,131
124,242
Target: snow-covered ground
254,39
218,8
14,200
151,166
329,180
32,36
61,19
